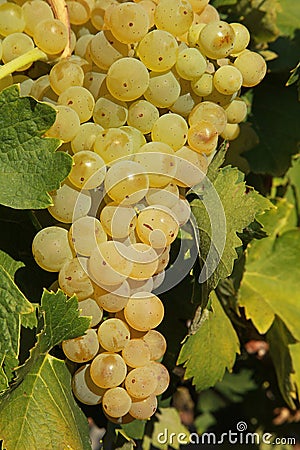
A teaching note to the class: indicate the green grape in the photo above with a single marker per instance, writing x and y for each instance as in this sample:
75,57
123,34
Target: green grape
252,67
116,402
208,15
174,16
82,44
97,13
126,182
157,226
51,36
66,125
182,211
69,204
113,299
149,6
127,79
163,258
144,311
129,22
242,37
113,335
108,264
144,259
78,14
88,171
65,74
14,45
51,248
236,111
177,130
166,196
143,409
79,99
41,87
110,112
156,343
231,132
136,136
211,112
158,50
89,307
140,285
108,370
186,100
216,40
84,389
73,279
106,49
190,64
25,84
11,19
227,80
158,159
198,5
142,115
163,90
95,83
33,12
85,137
85,234
203,137
141,382
203,86
83,348
136,353
112,145
193,34
220,99
118,220
162,376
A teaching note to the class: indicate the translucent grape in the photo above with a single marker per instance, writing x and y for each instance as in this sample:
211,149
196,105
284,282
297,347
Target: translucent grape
110,112
129,22
82,348
142,115
85,137
144,311
193,34
51,248
88,171
149,6
82,45
126,182
216,39
157,344
211,112
231,132
140,285
252,67
236,111
11,19
118,220
203,137
186,100
177,130
66,125
108,370
162,376
242,37
89,307
65,74
143,409
73,279
85,234
198,5
158,50
203,86
208,15
167,196
79,99
228,80
106,49
14,45
112,145
157,226
158,159
77,12
144,260
174,16
113,299
113,335
33,11
116,402
190,64
84,389
69,204
220,99
127,79
136,353
136,136
163,90
141,382
163,258
182,211
108,264
51,36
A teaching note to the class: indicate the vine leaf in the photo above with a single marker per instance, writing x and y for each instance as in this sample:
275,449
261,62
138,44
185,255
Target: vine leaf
14,307
43,387
29,165
211,349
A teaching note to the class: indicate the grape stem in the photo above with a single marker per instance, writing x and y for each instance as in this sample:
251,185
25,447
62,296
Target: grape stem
21,61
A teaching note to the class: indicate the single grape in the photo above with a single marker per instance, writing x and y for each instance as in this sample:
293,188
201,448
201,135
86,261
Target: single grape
118,220
210,112
65,74
112,299
203,86
162,376
129,22
136,136
113,335
110,112
79,99
78,14
84,389
89,307
116,402
33,12
66,125
157,226
216,40
252,67
83,348
158,50
163,90
231,132
141,382
174,16
190,64
208,15
69,204
108,370
143,409
85,137
14,45
228,80
242,37
142,115
106,49
166,196
136,353
144,259
11,19
203,137
73,279
85,234
177,130
144,311
156,343
113,145
236,111
51,36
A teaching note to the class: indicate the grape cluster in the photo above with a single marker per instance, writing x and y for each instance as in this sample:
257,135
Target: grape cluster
149,91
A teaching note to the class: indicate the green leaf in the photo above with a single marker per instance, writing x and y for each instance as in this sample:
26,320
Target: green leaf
29,165
234,386
279,339
135,429
211,350
288,17
168,422
13,307
42,404
295,355
223,209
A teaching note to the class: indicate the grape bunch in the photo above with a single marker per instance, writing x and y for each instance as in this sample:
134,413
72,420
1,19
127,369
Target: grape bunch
144,92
